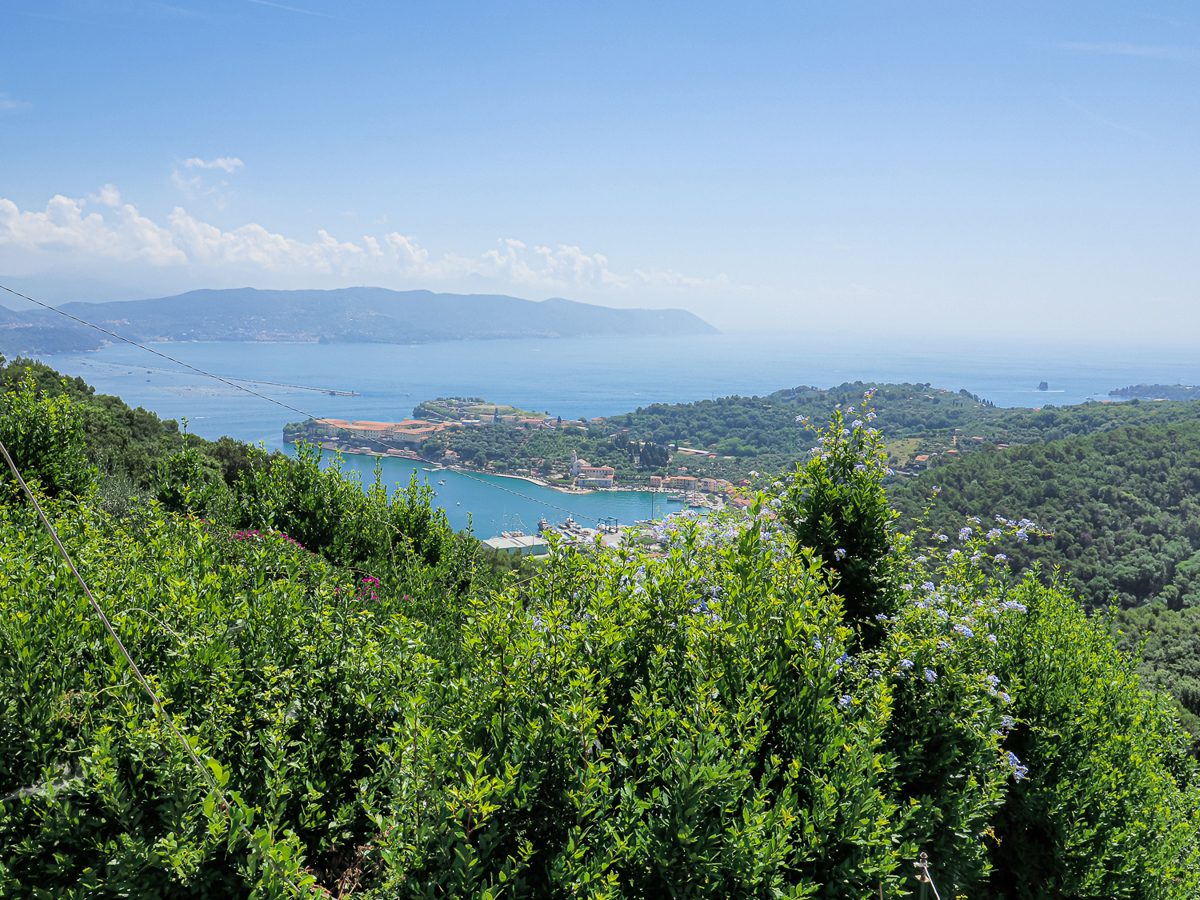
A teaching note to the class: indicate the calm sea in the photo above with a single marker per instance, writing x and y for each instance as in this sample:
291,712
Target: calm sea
585,377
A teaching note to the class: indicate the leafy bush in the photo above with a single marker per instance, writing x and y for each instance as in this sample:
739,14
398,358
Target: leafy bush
1110,805
329,513
627,726
708,722
44,437
835,504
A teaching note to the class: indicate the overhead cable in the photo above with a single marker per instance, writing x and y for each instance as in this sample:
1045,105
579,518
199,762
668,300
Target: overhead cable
177,362
247,390
159,709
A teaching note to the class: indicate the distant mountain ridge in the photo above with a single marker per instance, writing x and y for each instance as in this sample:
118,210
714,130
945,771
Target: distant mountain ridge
345,315
1158,392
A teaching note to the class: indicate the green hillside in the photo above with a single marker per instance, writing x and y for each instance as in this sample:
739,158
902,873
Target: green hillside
1124,507
127,445
1158,392
788,702
922,426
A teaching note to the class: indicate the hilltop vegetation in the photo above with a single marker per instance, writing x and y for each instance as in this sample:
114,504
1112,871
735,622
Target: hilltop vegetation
1124,507
916,420
739,434
455,409
787,703
127,446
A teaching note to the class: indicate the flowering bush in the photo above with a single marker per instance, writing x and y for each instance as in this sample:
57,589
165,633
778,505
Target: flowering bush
834,504
646,726
722,720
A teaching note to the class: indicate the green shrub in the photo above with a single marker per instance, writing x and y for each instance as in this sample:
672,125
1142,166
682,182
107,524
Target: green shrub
835,504
708,722
278,667
627,726
1111,802
44,437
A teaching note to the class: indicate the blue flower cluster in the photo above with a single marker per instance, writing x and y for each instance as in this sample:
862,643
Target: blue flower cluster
1019,770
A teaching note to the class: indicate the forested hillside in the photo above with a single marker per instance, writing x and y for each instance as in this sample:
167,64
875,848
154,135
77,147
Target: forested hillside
1158,392
788,702
1124,507
919,424
925,419
128,446
1167,643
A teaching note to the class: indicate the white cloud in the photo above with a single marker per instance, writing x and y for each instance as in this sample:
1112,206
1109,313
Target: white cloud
190,187
229,164
8,104
63,228
194,186
109,196
565,267
120,234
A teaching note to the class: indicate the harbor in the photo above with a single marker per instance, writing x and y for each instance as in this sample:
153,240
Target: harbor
491,504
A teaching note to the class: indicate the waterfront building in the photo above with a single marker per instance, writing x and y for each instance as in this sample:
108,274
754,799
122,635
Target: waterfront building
522,545
595,476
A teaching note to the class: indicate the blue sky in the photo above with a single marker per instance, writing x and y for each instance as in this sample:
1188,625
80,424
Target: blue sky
1016,168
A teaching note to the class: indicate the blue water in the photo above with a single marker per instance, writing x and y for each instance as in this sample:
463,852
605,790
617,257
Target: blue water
586,377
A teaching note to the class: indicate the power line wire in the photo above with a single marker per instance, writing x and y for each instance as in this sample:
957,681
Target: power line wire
265,397
177,362
526,496
159,709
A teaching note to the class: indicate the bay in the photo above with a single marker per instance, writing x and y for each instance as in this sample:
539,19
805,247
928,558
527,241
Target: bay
585,377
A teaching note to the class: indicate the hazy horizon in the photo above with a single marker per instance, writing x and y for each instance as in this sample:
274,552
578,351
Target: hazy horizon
1021,172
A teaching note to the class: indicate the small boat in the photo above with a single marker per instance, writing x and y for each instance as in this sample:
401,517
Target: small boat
443,481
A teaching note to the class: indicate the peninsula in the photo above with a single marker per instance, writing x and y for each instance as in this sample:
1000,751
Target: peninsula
347,315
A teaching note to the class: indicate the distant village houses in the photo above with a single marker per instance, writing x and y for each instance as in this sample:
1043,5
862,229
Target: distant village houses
330,432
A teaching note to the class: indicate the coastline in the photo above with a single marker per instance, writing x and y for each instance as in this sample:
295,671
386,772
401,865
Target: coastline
531,480
630,489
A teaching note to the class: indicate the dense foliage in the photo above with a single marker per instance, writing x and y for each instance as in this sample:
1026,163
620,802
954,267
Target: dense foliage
785,703
755,433
1123,506
44,438
1167,644
1158,392
128,446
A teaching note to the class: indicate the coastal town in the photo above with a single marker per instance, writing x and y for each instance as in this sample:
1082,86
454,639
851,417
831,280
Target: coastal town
429,440
654,469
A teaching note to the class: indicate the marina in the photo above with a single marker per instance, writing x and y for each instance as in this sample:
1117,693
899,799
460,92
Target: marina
492,504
